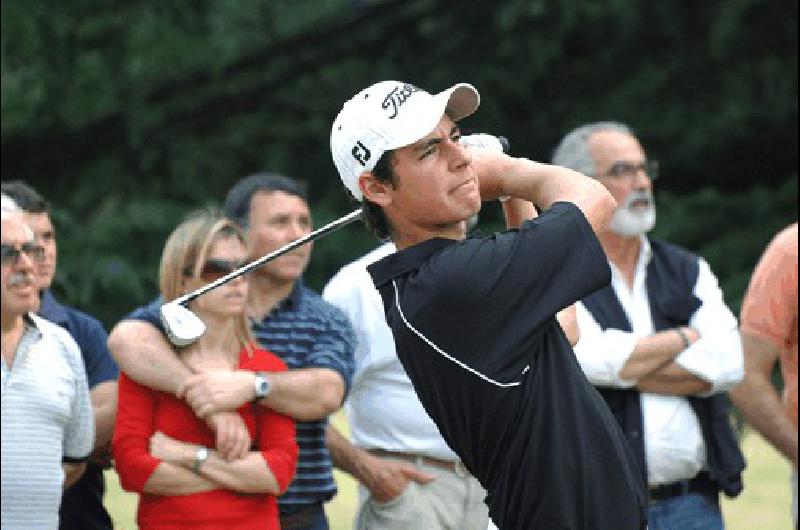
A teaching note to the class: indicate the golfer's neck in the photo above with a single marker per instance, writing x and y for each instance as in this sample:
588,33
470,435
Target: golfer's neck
265,293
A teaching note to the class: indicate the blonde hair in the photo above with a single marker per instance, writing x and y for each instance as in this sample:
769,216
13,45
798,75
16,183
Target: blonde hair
185,253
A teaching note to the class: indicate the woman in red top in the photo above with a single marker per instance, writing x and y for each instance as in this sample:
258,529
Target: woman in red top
161,449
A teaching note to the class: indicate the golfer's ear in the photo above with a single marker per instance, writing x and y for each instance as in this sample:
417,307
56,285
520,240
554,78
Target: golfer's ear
377,191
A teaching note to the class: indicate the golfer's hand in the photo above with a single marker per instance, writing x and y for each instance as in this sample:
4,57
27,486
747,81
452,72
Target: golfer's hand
386,479
217,390
233,439
491,165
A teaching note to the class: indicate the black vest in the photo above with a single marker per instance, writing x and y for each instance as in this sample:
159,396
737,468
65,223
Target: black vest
671,277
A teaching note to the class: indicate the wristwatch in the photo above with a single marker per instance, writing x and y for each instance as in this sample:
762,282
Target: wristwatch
199,457
262,385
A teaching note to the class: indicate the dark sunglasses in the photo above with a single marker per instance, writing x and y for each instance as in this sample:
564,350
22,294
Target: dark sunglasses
10,254
214,269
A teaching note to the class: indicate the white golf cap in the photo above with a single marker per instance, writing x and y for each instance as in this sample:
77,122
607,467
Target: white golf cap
389,115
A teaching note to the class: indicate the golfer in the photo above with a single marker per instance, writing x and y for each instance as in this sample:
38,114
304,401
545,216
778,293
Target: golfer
474,319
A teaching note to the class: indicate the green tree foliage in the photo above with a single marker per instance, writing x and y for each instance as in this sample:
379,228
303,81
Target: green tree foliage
128,115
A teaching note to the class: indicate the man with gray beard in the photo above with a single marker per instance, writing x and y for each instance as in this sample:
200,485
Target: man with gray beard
658,342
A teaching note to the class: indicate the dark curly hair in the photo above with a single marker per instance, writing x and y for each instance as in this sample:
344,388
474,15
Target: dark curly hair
373,215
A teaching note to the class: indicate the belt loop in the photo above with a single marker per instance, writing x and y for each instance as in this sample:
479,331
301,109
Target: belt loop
460,470
419,461
684,487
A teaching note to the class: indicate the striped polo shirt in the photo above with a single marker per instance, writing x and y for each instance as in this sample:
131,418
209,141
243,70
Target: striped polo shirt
46,420
307,332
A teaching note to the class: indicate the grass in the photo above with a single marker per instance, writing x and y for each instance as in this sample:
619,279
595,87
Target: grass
763,505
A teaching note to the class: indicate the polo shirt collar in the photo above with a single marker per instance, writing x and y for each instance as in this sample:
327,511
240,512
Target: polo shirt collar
51,309
407,260
295,298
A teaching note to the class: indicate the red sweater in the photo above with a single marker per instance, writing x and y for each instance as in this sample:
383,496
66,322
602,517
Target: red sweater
142,411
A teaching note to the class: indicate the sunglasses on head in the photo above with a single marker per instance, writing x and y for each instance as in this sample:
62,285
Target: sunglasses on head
10,254
214,269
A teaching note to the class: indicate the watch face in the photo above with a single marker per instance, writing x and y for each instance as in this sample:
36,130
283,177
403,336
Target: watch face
262,386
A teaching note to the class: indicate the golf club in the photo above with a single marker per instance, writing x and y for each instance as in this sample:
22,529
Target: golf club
184,327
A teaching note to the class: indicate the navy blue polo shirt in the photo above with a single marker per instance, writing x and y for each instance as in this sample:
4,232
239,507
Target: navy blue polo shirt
305,332
82,504
475,329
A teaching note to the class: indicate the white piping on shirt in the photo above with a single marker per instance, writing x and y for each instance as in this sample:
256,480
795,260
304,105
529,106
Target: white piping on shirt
444,353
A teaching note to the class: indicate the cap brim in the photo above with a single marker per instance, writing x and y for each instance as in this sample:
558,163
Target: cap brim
458,102
462,100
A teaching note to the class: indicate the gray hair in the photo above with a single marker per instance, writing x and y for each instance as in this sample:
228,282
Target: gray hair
573,150
8,206
10,211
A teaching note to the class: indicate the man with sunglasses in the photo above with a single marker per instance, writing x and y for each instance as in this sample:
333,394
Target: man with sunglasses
47,423
311,336
658,342
82,505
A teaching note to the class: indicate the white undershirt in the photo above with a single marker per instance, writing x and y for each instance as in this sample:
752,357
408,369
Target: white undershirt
382,408
674,447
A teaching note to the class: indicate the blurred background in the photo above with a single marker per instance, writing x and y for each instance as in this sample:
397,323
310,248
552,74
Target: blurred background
129,114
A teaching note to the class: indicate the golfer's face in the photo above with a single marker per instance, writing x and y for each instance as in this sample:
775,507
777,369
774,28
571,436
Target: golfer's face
18,289
45,235
436,183
278,218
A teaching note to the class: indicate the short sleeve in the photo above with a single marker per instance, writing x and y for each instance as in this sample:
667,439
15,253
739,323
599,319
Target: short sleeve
769,308
79,431
92,339
334,346
150,313
132,431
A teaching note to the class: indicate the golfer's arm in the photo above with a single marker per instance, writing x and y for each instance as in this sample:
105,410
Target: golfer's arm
545,184
305,394
758,400
145,356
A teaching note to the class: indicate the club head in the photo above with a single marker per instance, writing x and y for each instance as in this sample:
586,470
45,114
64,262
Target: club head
182,326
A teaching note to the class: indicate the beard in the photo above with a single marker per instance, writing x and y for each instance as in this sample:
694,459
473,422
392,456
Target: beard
631,219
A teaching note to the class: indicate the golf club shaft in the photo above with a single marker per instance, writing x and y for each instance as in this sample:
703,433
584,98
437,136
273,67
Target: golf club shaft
244,269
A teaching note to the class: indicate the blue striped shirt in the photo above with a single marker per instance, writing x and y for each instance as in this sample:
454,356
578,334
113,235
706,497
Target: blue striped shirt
305,332
308,332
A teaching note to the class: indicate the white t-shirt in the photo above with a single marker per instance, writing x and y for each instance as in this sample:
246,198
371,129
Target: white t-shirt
382,408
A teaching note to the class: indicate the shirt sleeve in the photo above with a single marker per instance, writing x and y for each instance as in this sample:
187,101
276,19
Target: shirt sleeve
769,308
278,445
79,431
717,356
150,313
334,346
92,340
132,431
352,291
603,353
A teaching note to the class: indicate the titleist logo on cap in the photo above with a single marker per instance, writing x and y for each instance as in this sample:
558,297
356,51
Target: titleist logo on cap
397,97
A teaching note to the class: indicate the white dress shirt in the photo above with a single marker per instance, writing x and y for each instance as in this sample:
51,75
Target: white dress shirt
673,440
382,408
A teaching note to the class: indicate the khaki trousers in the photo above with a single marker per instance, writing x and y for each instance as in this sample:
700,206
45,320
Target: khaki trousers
454,501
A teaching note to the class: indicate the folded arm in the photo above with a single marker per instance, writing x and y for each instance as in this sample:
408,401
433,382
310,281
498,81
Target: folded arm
245,475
